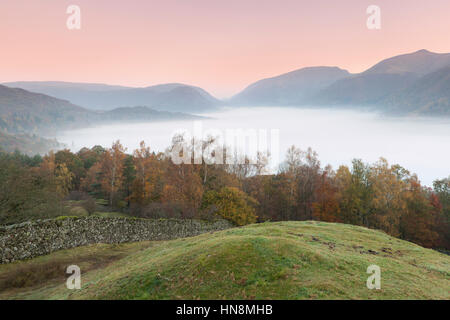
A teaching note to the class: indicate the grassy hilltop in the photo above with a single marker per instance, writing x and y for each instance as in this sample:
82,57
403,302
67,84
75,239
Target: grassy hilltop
283,260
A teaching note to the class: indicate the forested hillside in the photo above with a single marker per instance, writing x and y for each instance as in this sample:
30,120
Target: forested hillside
22,111
27,143
429,95
25,116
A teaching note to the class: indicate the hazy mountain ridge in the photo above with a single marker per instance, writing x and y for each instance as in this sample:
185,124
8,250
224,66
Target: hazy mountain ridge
23,111
410,84
290,88
420,62
397,85
362,89
141,114
24,115
165,97
428,95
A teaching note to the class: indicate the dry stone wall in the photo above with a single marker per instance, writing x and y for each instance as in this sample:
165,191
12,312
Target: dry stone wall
31,239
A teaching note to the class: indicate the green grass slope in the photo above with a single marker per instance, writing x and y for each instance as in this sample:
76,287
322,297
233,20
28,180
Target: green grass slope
283,260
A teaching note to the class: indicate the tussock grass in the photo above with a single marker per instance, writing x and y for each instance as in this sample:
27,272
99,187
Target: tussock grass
51,269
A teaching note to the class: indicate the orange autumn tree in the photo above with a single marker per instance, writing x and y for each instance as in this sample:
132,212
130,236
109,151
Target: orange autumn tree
442,203
90,183
56,175
418,220
141,186
388,202
326,206
111,166
148,175
302,170
183,188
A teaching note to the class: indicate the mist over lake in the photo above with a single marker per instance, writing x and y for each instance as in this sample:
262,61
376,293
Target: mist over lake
419,145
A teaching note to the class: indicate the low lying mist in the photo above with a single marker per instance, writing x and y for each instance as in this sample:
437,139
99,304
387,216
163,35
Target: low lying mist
420,145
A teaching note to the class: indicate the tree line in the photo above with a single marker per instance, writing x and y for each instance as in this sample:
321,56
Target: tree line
148,184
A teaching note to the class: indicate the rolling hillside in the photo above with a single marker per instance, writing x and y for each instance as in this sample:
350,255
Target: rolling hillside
174,97
283,260
23,111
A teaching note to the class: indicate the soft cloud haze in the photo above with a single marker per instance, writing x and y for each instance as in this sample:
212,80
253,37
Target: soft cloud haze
221,46
413,143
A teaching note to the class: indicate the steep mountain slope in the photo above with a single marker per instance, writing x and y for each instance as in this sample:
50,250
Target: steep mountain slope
429,95
24,114
168,97
397,85
384,79
362,89
24,111
290,88
283,260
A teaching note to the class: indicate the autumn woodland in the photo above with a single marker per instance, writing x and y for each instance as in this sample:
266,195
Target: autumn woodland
146,184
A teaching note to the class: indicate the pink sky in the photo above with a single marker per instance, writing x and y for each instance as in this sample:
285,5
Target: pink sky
220,45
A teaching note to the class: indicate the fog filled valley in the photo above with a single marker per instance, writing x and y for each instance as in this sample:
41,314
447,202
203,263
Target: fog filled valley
338,136
335,165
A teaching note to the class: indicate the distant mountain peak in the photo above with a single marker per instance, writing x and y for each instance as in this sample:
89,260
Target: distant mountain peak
289,88
419,62
169,97
425,51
